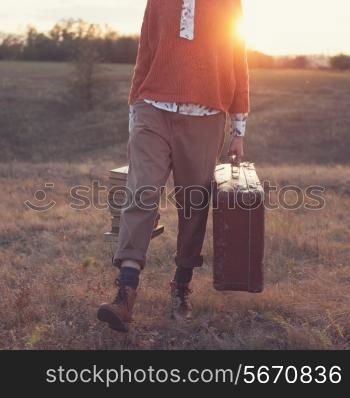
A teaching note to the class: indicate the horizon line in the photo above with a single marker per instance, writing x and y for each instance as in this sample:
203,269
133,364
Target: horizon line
20,31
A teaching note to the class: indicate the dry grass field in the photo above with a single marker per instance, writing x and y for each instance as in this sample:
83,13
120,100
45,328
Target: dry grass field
55,267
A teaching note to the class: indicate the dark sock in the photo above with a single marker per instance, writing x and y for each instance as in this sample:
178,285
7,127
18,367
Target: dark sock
183,275
129,277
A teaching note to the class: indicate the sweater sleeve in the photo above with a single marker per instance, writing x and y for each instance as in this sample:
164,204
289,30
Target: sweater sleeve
143,59
240,103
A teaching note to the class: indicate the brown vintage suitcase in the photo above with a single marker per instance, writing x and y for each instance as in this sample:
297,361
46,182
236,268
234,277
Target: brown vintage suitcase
238,228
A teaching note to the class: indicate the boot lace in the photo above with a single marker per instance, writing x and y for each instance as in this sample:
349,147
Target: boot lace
121,296
183,292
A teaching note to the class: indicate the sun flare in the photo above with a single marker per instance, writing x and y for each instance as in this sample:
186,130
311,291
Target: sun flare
284,27
242,28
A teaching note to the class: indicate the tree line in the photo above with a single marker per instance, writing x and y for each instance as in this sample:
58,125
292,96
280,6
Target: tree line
63,41
66,38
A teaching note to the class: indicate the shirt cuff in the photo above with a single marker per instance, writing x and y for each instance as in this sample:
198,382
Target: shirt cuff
238,124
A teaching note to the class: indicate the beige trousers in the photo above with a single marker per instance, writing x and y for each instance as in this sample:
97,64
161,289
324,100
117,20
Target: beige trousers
160,142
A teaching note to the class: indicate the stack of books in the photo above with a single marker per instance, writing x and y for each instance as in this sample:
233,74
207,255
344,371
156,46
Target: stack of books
119,197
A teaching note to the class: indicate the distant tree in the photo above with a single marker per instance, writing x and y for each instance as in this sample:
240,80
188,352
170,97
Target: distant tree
67,35
84,83
125,49
340,62
298,62
257,59
11,46
38,46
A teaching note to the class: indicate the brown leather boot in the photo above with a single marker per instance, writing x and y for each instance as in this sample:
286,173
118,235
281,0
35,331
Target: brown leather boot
119,313
181,307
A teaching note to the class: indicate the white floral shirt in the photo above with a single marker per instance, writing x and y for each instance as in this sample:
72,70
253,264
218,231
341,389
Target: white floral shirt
238,120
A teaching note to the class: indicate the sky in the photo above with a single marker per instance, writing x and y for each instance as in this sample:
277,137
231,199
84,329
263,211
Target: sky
275,27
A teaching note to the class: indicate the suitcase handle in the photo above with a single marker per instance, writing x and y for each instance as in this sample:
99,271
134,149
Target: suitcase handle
235,161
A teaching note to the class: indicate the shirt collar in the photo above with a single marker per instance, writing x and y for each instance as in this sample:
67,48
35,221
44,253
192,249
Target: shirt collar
187,19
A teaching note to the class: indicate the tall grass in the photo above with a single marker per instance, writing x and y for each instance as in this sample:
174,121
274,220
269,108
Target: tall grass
55,270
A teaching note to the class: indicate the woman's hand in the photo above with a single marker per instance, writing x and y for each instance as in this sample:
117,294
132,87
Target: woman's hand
236,148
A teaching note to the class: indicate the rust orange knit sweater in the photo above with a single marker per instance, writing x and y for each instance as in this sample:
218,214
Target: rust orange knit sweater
210,70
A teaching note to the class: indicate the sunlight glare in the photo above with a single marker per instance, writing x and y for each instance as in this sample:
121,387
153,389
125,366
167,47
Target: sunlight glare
242,28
